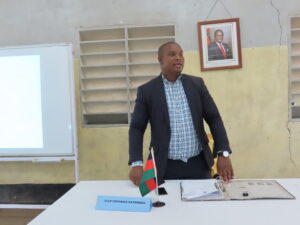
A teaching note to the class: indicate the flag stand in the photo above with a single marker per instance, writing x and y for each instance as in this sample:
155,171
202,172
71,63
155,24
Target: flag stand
157,203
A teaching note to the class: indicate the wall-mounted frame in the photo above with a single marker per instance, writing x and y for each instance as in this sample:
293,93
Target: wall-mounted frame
219,44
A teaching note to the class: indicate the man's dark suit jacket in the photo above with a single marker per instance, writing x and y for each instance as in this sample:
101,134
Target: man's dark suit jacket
151,105
214,52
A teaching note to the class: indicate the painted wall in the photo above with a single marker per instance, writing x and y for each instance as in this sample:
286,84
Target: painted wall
253,100
254,106
263,22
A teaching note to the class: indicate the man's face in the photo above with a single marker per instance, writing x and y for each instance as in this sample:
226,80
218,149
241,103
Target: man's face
171,60
219,36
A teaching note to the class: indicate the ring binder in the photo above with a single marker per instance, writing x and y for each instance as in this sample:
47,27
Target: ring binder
207,190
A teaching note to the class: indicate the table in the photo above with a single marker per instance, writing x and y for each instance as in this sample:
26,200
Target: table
77,207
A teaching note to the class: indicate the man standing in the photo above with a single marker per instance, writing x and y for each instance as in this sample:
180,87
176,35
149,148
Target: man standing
219,50
176,104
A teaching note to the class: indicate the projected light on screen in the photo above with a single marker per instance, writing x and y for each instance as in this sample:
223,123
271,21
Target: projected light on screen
20,99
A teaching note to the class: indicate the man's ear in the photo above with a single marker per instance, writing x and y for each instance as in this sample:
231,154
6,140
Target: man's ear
159,58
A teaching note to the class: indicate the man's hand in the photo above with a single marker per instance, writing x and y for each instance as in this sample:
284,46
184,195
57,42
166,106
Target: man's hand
136,174
224,168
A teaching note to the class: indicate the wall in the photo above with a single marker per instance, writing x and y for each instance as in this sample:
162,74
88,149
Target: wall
45,21
253,100
253,103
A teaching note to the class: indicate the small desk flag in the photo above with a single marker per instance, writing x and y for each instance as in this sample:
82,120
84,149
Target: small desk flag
148,181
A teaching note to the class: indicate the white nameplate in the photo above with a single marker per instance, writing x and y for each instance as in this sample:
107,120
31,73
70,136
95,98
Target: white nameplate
120,203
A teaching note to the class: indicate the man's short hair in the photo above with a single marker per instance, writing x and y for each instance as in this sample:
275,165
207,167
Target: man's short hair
219,30
161,48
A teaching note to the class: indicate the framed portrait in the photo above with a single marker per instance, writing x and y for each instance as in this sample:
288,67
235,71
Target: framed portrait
219,44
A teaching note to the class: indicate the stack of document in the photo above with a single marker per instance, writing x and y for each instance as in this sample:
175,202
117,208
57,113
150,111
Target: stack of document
195,190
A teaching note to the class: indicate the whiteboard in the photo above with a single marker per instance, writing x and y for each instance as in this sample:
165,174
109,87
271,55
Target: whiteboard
37,99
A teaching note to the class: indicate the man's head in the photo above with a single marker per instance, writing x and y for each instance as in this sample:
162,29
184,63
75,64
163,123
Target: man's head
219,35
170,57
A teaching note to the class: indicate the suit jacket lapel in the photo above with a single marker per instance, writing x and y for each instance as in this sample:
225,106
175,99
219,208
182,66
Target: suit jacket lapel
161,96
191,96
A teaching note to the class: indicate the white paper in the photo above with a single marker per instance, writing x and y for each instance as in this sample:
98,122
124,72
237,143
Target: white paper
200,190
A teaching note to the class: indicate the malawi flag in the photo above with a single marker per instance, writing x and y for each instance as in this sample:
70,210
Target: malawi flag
148,182
208,36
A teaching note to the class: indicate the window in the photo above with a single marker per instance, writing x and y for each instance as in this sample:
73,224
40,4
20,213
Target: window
114,62
294,69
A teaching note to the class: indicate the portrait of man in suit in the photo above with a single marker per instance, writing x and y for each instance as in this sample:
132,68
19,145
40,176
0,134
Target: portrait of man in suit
218,50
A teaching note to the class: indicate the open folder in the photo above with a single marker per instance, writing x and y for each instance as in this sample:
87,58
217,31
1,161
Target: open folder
207,190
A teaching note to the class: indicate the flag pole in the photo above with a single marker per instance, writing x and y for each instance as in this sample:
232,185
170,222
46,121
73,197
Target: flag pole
155,172
156,203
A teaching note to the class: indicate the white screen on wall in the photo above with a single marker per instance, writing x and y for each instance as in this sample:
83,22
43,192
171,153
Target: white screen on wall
21,117
36,116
